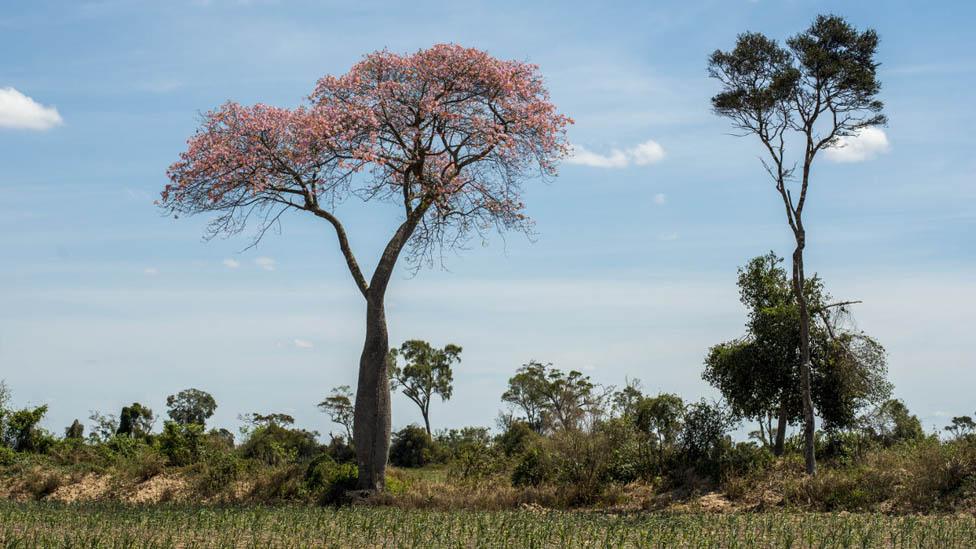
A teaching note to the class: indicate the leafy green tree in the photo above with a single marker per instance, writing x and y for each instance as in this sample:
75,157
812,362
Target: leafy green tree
411,447
891,422
661,418
340,408
135,421
191,406
21,431
426,372
817,91
759,374
552,399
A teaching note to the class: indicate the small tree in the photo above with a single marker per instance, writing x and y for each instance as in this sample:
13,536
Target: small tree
191,406
891,422
75,431
135,421
758,373
21,431
426,372
338,405
448,134
962,427
103,427
551,398
822,87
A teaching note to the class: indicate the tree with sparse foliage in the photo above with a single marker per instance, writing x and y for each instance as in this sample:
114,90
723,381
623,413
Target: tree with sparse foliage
962,427
339,407
551,399
21,431
891,422
823,88
758,373
426,372
191,406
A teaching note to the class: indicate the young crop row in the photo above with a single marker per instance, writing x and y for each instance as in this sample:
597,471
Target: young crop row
49,525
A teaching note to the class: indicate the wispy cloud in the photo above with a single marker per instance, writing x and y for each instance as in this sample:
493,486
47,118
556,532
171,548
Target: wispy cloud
20,112
303,344
150,271
668,237
648,152
232,263
265,263
867,144
660,199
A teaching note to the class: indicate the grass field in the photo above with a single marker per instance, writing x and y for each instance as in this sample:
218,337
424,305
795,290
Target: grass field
100,525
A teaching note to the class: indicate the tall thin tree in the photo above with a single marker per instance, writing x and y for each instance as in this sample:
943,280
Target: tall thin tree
822,87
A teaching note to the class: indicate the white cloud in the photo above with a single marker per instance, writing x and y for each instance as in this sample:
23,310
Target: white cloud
265,263
17,111
660,198
232,263
648,152
867,144
151,271
668,237
303,344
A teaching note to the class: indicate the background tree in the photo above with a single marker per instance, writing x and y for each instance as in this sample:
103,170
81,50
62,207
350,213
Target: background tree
135,420
426,372
962,427
103,427
338,406
4,403
822,86
758,374
191,406
21,431
75,431
447,133
891,422
552,399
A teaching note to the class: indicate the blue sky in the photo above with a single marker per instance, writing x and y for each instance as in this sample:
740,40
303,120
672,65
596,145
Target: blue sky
103,301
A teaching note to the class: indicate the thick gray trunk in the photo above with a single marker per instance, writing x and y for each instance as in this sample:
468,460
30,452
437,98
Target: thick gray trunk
371,427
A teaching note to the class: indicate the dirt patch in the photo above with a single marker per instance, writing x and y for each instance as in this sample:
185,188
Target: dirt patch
161,488
89,488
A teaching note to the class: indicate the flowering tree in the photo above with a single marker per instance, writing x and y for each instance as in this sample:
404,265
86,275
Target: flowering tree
448,133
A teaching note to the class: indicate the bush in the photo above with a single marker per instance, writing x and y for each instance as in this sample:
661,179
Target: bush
411,447
745,458
516,438
281,483
277,445
219,469
534,468
181,444
329,480
340,451
7,456
146,463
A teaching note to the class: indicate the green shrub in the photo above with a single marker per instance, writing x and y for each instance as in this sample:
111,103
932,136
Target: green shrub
516,438
534,468
181,444
7,456
411,447
745,458
146,463
276,445
280,483
330,481
218,470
